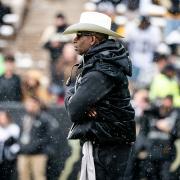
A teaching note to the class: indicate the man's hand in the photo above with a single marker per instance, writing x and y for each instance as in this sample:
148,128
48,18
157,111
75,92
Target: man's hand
92,113
163,125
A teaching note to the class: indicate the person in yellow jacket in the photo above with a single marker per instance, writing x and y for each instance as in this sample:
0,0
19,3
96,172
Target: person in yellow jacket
165,84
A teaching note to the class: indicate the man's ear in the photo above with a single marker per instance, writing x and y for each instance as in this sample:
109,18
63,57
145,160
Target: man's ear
93,40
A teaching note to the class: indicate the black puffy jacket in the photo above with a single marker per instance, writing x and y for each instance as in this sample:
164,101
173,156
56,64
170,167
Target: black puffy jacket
103,86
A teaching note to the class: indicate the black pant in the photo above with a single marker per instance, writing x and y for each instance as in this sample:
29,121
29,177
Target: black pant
159,170
8,170
111,161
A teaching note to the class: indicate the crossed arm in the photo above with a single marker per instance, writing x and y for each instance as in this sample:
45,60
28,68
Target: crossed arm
93,87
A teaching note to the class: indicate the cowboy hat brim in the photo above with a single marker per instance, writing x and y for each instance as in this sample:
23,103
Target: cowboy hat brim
90,27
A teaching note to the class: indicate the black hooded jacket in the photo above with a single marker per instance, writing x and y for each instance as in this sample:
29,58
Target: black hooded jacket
103,87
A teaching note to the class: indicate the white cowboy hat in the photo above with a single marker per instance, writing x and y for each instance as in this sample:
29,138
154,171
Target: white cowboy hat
93,22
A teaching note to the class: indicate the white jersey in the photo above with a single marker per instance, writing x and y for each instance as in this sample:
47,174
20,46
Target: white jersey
11,130
142,44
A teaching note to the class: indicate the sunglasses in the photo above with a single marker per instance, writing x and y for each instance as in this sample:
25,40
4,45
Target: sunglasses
81,34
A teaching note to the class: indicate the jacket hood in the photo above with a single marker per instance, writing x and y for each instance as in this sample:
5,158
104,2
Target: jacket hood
110,57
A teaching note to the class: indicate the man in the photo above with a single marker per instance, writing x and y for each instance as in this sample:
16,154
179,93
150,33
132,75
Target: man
142,48
155,143
9,148
53,41
99,104
165,83
34,141
10,83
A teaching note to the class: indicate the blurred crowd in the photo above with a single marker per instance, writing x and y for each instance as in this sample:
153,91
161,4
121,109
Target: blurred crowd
12,15
151,30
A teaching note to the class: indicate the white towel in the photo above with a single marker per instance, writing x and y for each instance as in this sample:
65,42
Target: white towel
87,165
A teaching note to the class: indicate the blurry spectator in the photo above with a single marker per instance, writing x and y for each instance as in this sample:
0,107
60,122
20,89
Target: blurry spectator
53,41
151,7
4,9
175,7
10,83
160,60
9,134
165,84
34,139
66,61
140,103
171,29
173,40
162,57
142,40
114,2
52,38
54,47
59,26
133,4
7,28
32,87
63,70
155,145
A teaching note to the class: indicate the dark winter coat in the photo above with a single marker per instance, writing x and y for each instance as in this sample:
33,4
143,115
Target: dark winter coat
103,86
10,88
39,134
